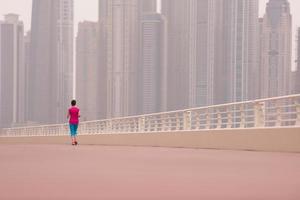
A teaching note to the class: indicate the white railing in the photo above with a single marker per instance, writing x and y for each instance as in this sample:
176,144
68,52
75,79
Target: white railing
273,112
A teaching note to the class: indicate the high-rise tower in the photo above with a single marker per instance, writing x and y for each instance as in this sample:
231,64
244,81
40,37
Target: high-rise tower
181,19
276,49
51,60
12,72
240,64
87,70
119,39
152,84
296,80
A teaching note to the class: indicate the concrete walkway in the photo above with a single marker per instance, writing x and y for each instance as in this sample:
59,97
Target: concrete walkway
38,172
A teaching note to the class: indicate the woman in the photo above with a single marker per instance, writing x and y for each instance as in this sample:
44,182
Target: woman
73,116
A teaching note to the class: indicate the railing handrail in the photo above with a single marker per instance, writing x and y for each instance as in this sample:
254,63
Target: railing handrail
202,108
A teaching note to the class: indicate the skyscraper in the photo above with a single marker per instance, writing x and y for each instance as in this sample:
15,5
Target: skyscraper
209,53
298,49
260,53
12,72
152,68
27,41
118,49
212,51
276,49
297,73
240,58
51,60
87,70
181,51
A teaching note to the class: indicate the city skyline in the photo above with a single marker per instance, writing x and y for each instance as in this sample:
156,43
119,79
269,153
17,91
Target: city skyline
89,12
210,57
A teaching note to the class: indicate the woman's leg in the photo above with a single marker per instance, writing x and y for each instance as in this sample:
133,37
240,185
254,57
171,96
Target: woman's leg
72,132
75,132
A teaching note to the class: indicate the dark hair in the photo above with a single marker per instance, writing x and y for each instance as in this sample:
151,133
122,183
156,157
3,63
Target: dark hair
73,102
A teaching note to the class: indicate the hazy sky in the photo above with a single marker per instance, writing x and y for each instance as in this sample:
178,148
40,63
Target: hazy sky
88,10
84,10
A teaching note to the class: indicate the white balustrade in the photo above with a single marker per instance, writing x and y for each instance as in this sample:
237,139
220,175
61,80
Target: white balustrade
273,112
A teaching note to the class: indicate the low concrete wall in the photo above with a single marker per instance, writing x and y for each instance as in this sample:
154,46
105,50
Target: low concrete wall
265,139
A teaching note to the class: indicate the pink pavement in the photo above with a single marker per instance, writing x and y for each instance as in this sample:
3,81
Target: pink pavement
54,172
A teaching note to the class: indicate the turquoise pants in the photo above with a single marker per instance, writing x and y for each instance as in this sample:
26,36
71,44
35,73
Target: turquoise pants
73,129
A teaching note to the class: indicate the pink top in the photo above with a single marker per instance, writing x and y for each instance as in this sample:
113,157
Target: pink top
74,115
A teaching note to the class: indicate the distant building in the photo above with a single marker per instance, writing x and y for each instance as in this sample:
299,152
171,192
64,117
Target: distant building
51,60
180,52
87,70
298,48
12,72
240,52
260,56
276,49
297,73
27,41
212,51
118,52
152,84
209,53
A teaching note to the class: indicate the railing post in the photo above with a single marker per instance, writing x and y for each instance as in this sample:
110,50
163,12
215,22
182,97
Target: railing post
163,122
169,123
127,126
60,130
243,119
83,128
259,115
207,119
42,131
108,126
187,120
278,114
114,125
133,129
156,120
198,118
298,113
120,126
150,123
136,125
177,128
219,119
229,118
145,124
98,128
131,126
